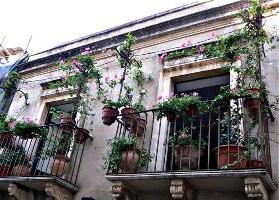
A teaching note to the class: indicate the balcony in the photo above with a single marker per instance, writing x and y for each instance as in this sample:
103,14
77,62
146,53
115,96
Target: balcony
209,151
46,163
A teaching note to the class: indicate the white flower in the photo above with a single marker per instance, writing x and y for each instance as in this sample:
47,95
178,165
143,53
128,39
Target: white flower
195,94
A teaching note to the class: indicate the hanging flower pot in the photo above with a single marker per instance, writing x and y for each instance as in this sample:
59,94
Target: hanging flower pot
186,157
129,116
192,111
130,160
230,156
109,115
255,163
252,105
81,135
68,124
170,116
139,127
60,165
5,138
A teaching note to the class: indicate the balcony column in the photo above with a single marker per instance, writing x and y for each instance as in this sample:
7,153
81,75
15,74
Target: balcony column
182,190
119,191
18,193
56,192
255,189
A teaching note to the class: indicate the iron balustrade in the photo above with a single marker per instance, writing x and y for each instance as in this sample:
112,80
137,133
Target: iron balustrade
57,152
246,146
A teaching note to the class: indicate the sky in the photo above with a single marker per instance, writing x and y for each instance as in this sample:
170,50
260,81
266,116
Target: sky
52,22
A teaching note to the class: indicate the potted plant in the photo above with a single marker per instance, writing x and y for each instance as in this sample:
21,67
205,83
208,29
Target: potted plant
252,103
81,135
6,162
168,107
59,150
192,104
5,133
124,155
21,164
138,128
110,111
27,129
186,149
252,147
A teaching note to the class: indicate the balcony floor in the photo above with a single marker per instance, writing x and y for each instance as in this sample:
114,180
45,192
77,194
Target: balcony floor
37,183
205,180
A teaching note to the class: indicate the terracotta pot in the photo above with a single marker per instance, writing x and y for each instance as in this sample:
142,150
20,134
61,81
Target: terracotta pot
81,135
129,160
254,91
185,154
139,127
255,164
230,152
6,138
192,111
21,170
60,165
109,115
129,116
252,105
5,170
68,124
170,116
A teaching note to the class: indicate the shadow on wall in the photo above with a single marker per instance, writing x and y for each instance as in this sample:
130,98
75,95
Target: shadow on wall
87,198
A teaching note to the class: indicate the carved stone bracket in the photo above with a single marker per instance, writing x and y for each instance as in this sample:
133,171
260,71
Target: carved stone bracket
118,190
255,189
58,192
17,193
181,189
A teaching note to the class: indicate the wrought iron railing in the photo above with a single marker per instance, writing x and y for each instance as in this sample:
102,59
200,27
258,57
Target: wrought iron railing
56,152
213,140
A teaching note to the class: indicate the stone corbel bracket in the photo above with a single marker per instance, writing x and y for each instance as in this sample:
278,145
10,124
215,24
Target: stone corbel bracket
58,192
255,189
118,190
182,190
17,193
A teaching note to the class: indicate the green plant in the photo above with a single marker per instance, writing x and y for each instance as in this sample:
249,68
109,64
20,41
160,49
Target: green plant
183,137
4,124
58,114
27,127
13,156
9,85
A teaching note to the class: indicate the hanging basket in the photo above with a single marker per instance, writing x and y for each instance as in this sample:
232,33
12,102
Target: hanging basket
109,115
81,135
68,125
129,116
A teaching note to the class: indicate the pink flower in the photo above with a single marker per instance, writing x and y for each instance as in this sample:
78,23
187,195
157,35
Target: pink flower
87,49
84,53
184,45
62,62
12,124
246,6
212,35
159,98
201,49
106,78
238,58
195,94
189,42
162,57
75,62
171,94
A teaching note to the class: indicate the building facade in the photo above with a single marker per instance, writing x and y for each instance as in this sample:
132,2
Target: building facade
192,25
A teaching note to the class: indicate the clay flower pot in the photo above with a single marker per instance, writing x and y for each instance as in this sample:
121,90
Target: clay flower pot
109,115
6,138
170,116
192,111
255,164
68,124
230,152
184,156
129,160
60,165
21,170
5,170
139,127
252,105
254,91
129,116
81,135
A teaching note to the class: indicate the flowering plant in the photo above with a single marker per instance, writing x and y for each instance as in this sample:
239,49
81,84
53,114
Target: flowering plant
4,124
26,128
179,104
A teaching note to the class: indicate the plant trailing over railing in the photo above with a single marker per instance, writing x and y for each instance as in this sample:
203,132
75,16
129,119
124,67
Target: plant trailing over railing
9,85
132,71
79,70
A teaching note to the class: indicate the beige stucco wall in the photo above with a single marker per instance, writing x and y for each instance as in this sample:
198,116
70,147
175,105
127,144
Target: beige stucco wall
91,179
